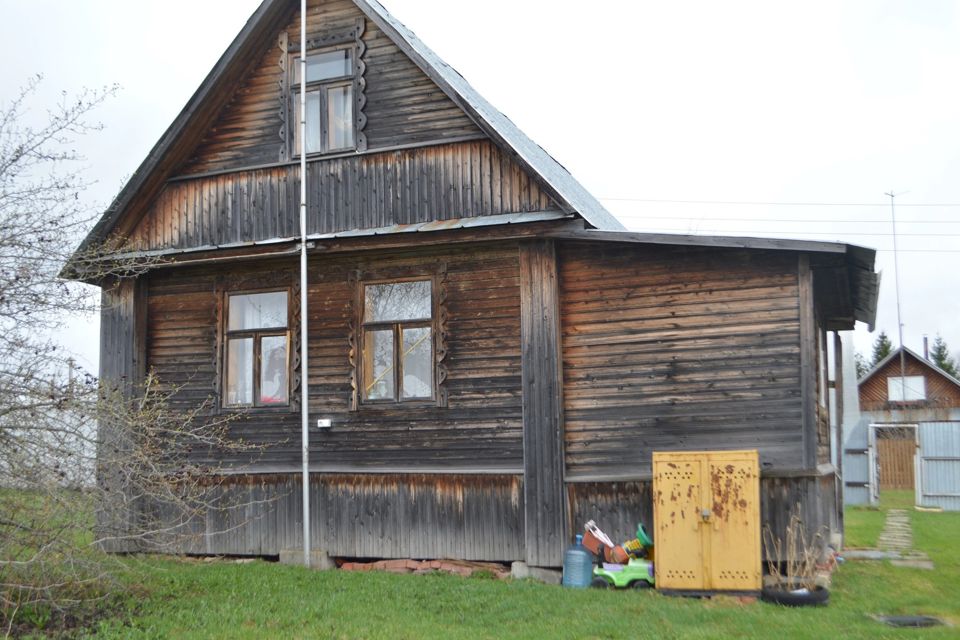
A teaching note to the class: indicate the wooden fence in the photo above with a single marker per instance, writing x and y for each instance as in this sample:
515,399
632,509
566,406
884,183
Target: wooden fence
895,458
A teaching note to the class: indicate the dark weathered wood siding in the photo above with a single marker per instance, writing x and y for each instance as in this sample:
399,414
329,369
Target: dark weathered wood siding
542,403
479,429
403,105
471,517
668,348
122,316
357,192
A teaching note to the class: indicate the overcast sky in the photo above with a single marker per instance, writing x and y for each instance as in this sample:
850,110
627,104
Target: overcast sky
679,116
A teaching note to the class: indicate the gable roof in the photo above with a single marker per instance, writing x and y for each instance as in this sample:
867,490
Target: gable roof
923,361
493,122
176,142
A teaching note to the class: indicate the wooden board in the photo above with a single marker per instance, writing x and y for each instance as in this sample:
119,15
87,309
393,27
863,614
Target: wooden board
678,348
480,428
403,106
458,180
895,458
941,392
542,404
465,517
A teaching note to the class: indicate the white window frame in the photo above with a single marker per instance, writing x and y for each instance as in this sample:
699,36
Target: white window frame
915,388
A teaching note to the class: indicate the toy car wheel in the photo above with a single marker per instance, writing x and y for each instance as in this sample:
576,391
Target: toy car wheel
599,583
639,584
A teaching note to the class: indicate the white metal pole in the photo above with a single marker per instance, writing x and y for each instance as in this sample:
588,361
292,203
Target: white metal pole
896,278
304,377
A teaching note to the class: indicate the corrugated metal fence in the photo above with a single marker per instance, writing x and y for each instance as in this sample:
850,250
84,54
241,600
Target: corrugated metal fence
940,464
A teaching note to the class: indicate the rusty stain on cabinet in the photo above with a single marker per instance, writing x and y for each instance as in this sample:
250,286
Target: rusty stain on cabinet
707,520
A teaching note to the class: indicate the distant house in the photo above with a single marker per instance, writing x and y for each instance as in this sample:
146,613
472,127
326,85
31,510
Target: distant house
905,396
497,356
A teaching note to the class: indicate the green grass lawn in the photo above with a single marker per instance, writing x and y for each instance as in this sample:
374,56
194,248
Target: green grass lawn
260,599
863,524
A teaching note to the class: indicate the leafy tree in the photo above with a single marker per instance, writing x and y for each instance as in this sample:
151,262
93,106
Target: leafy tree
940,356
882,347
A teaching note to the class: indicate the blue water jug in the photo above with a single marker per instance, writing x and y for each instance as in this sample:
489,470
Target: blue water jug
577,565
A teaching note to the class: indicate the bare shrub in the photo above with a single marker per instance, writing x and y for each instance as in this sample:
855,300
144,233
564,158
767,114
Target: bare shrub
793,560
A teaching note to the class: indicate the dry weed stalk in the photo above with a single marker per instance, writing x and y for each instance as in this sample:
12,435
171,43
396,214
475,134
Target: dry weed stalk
793,561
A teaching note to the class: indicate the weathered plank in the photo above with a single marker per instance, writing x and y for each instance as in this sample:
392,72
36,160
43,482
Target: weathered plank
403,106
121,365
470,517
671,348
542,389
808,362
479,429
352,192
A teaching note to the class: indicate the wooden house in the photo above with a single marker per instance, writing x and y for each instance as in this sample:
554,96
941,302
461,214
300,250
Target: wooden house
909,426
497,356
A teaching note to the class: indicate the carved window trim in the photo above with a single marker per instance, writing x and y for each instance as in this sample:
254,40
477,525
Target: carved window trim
439,328
269,282
332,39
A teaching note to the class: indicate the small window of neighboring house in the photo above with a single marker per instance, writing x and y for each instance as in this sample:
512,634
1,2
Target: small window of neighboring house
330,122
909,389
397,342
256,350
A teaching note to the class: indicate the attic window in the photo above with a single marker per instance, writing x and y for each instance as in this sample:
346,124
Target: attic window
908,389
329,88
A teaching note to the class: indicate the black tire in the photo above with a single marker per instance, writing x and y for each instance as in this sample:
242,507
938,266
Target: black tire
819,597
640,584
600,583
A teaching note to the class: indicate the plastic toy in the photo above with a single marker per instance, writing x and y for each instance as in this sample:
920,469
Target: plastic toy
636,574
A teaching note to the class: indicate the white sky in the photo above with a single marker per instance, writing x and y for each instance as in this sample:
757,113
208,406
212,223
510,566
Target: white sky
646,102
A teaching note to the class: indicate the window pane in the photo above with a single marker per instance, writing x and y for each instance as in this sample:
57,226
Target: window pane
325,66
398,301
313,122
273,370
340,117
240,371
257,311
914,386
417,363
378,365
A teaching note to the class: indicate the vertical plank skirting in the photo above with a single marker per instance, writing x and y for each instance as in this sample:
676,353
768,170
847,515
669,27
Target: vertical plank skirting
544,498
808,358
122,324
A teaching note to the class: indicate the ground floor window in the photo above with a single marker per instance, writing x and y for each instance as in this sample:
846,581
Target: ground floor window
257,350
397,343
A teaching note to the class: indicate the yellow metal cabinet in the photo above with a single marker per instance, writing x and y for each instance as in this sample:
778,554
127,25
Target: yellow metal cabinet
706,514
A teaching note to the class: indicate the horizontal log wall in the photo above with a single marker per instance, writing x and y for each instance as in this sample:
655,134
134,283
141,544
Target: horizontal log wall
678,349
357,516
481,426
358,192
403,105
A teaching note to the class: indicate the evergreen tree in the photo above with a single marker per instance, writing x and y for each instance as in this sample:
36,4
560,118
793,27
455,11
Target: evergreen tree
861,363
882,347
940,356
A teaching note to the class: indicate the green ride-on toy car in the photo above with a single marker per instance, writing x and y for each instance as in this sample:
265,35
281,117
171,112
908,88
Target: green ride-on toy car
637,573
